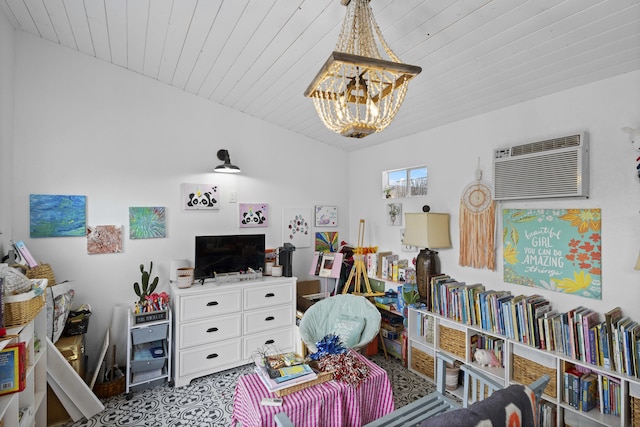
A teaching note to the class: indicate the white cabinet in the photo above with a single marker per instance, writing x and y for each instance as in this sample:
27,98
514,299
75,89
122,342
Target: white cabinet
221,326
28,408
430,333
148,353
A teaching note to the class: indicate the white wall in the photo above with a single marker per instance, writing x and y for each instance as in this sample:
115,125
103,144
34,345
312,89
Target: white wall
6,130
86,127
451,154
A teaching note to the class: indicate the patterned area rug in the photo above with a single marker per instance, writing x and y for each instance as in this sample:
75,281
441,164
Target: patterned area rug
208,401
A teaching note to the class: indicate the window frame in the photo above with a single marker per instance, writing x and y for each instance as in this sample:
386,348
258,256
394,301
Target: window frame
397,188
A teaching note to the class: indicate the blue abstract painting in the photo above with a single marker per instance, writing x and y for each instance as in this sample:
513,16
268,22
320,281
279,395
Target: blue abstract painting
57,215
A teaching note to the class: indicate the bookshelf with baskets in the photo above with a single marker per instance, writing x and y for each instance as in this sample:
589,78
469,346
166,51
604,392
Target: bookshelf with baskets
432,332
29,406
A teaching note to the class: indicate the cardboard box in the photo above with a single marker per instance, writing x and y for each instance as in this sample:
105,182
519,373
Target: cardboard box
307,294
72,348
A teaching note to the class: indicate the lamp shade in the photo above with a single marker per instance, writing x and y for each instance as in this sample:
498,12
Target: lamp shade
427,230
637,267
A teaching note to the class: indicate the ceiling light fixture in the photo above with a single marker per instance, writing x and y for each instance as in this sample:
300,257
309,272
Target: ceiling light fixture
226,167
357,93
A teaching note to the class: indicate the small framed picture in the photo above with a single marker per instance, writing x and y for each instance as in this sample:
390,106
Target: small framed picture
394,214
326,216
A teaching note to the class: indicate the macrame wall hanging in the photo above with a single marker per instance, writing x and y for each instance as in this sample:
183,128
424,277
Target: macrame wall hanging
477,225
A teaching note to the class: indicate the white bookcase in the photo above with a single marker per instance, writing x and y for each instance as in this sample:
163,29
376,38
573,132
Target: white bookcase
28,408
429,333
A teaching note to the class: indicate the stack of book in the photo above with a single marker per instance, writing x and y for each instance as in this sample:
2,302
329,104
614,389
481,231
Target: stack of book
580,389
276,375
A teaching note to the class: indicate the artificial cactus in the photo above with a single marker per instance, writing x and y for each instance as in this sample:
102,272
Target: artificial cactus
147,289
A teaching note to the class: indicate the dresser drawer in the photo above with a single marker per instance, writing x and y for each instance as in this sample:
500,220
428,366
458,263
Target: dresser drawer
149,333
267,319
282,339
210,357
201,306
210,330
268,296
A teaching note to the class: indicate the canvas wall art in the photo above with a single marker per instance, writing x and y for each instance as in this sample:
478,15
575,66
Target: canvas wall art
555,249
200,196
326,241
394,214
326,216
104,239
253,215
147,222
57,215
296,227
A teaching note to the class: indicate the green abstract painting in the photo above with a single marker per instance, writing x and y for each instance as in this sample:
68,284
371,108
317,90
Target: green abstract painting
147,223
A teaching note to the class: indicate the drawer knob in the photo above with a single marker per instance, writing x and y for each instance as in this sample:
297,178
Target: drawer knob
212,303
269,318
269,342
212,329
269,295
212,356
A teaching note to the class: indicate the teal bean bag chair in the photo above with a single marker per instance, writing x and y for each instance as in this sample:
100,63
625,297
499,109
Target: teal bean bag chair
353,318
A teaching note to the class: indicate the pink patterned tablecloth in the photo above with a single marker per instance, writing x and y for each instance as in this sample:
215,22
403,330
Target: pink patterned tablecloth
329,404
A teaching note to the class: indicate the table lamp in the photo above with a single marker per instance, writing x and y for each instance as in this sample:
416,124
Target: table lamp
429,231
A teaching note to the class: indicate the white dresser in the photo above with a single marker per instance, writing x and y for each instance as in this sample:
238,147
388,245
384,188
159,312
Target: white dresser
217,327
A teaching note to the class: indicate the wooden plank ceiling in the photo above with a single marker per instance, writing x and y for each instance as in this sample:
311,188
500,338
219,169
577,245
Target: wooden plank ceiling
258,56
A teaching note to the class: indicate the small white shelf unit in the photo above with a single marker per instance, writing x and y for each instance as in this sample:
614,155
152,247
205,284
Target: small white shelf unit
149,352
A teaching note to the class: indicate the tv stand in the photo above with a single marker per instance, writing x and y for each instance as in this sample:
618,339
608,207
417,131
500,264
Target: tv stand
226,325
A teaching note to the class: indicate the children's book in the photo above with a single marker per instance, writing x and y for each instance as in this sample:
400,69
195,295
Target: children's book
13,368
25,254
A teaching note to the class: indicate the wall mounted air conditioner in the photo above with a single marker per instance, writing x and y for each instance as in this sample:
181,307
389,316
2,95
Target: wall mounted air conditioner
557,167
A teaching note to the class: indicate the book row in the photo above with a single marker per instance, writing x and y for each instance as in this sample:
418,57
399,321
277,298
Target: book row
585,390
611,341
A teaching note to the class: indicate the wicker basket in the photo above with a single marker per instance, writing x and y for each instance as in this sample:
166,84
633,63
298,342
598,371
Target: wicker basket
110,388
42,271
526,371
453,341
635,410
323,377
23,308
422,362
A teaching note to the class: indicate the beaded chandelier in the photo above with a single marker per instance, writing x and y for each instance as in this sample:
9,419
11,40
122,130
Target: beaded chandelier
357,93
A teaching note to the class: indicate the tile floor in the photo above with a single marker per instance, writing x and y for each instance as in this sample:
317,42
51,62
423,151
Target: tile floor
208,401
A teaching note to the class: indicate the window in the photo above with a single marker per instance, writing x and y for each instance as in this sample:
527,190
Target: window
404,182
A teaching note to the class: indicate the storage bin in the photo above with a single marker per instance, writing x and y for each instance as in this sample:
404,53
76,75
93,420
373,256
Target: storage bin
110,388
147,364
149,333
76,326
526,371
453,341
23,308
422,362
635,410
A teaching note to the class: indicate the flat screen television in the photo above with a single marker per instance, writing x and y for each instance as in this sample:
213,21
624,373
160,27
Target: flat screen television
228,254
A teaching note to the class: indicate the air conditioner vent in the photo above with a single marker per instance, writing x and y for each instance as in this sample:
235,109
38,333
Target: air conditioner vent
549,144
551,168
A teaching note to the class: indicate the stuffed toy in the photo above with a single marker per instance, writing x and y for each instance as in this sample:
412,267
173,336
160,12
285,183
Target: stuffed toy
486,358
